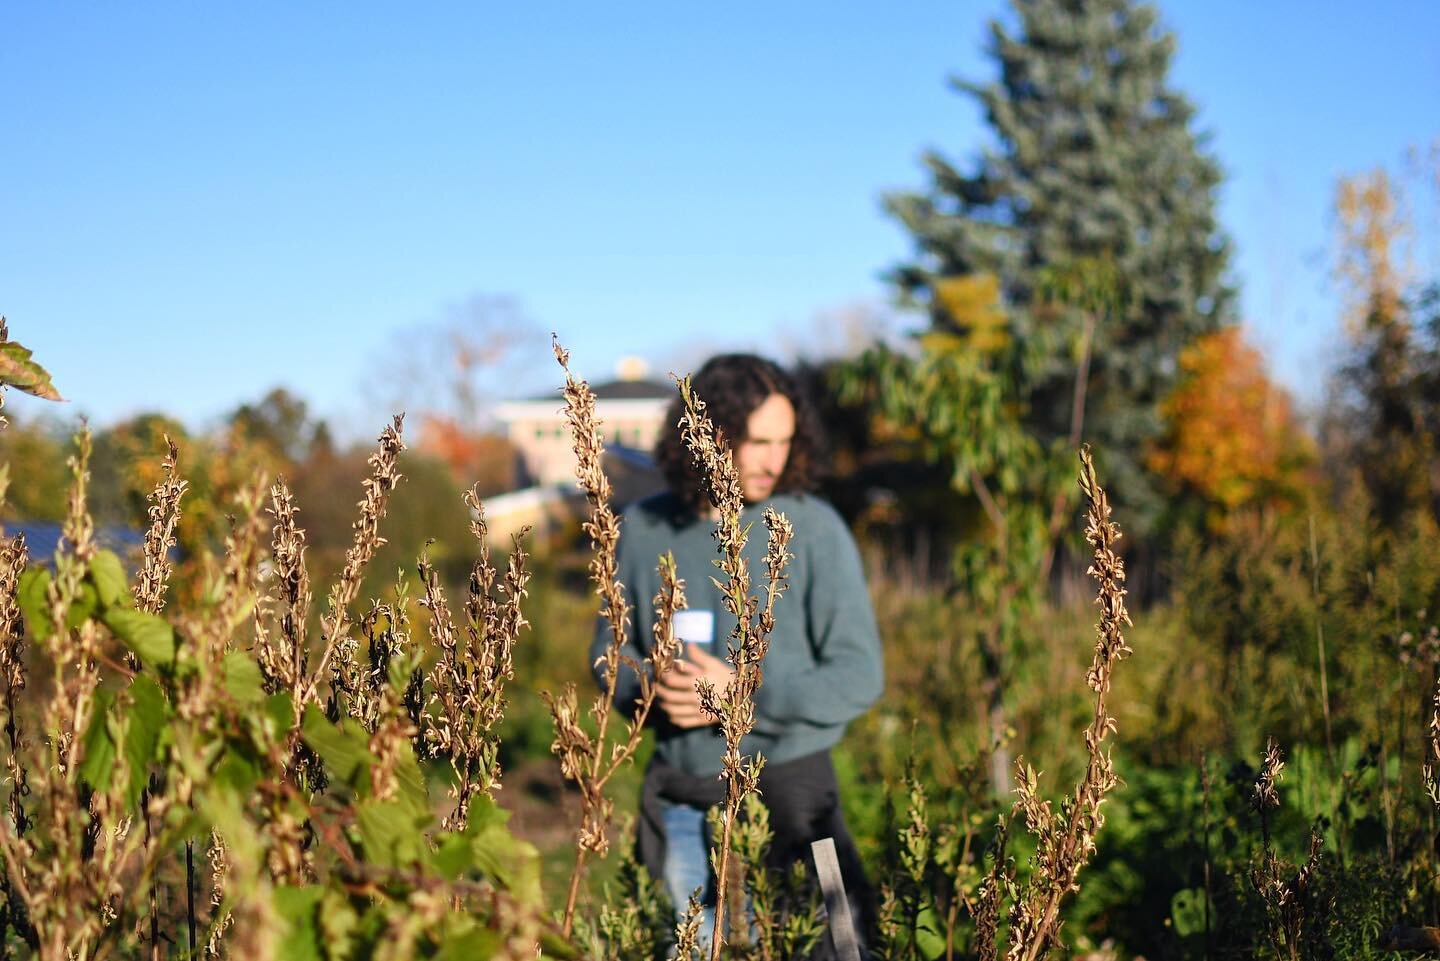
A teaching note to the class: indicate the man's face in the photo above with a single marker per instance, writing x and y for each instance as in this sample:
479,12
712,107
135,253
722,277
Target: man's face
761,457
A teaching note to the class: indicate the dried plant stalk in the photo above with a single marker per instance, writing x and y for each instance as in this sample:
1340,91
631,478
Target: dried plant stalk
734,707
14,556
584,760
467,682
338,653
66,859
1066,842
1430,770
149,594
164,512
283,657
234,586
1292,906
990,897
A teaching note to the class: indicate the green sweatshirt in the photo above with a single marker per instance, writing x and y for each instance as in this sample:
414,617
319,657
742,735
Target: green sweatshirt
824,665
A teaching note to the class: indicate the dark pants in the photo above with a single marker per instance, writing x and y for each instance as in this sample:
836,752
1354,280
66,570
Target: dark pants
803,800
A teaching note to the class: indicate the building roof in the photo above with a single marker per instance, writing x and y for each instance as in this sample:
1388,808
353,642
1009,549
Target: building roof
634,390
42,539
620,390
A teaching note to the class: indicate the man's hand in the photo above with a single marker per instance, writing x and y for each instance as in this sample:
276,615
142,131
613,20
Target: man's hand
679,697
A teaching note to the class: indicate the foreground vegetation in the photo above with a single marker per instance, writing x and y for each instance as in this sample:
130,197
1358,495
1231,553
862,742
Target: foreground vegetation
210,780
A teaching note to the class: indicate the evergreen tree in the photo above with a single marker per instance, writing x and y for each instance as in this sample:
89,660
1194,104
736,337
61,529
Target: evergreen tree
1096,163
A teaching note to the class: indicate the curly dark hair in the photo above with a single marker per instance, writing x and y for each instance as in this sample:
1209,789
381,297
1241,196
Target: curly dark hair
732,386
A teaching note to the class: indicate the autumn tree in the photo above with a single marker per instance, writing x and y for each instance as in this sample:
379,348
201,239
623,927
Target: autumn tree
1231,439
1095,161
483,459
1385,412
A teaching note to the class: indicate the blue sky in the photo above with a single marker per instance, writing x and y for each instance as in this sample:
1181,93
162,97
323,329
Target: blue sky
201,201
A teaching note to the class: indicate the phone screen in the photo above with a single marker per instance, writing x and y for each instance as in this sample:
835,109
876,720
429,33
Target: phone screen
695,627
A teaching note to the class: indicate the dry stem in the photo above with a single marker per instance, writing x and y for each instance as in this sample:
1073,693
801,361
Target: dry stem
583,759
339,646
1066,842
734,708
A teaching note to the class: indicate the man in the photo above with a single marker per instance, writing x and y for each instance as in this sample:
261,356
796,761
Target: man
824,664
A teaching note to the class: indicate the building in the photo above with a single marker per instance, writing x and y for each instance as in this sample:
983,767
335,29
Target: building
631,410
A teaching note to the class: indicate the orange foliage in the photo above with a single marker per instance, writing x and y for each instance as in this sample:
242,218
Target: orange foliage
473,457
1231,436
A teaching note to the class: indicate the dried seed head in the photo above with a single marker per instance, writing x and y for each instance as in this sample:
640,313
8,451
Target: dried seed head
1265,797
164,511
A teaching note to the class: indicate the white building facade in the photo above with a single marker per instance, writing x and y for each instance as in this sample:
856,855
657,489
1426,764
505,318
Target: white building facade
631,415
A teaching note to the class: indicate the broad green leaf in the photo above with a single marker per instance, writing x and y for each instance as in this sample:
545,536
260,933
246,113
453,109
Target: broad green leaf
471,944
108,576
83,607
297,908
501,856
100,749
241,766
148,635
344,748
930,934
554,946
242,679
410,781
391,834
148,714
454,856
34,585
280,711
1187,911
338,922
18,370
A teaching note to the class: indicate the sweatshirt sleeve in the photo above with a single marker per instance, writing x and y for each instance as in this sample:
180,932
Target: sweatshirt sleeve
848,673
627,686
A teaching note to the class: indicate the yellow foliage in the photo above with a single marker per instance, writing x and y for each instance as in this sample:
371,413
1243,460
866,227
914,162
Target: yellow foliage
1231,436
1372,230
970,304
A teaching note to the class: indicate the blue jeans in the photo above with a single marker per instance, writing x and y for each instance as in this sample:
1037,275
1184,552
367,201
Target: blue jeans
687,864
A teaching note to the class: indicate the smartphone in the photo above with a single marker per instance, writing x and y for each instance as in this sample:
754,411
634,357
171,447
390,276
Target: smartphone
695,627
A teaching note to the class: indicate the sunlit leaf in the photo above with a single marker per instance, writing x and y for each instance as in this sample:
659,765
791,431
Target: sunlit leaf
34,605
148,715
391,833
297,909
107,573
19,371
243,681
150,637
344,748
98,762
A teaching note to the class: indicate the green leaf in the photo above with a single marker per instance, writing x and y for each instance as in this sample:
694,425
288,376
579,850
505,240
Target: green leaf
929,934
391,834
280,711
410,781
19,371
468,945
34,605
148,715
297,908
554,946
242,679
338,923
1187,911
108,576
83,606
100,748
148,635
499,855
238,771
344,749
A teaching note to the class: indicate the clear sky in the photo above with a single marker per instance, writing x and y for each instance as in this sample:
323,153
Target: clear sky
199,201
